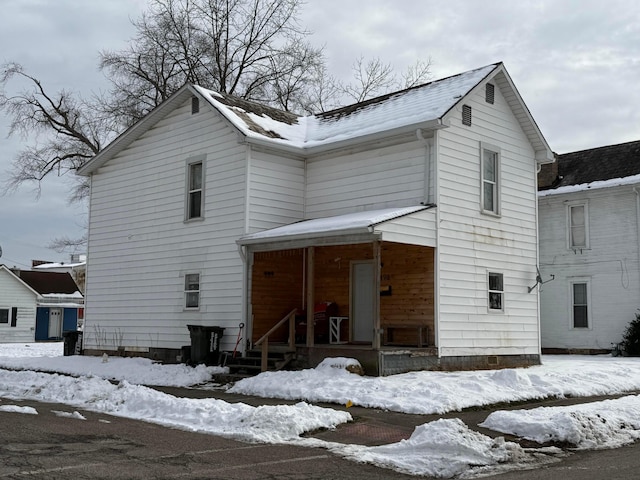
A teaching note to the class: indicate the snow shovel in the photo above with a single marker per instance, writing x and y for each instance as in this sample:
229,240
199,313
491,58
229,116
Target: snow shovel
235,349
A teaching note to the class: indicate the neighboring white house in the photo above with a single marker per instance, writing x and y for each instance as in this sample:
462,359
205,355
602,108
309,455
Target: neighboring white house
411,217
18,302
589,210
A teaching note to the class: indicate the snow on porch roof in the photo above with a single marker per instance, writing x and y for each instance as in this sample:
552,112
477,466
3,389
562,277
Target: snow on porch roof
350,223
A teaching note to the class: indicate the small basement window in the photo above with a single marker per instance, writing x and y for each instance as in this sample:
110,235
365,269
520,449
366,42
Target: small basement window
466,115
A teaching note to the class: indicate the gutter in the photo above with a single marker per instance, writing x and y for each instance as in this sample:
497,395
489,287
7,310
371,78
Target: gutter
324,146
635,190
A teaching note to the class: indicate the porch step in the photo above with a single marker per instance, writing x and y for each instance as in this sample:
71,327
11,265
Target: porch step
251,362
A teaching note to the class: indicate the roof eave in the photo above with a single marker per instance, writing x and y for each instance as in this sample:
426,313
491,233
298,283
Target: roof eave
125,139
25,284
327,146
347,232
543,153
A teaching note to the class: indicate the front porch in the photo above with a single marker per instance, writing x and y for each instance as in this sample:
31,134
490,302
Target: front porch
372,301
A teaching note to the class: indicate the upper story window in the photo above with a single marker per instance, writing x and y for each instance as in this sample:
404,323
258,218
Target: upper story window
496,291
192,290
195,189
490,179
578,232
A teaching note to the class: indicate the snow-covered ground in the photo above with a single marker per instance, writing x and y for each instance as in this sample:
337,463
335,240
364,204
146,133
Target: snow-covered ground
444,448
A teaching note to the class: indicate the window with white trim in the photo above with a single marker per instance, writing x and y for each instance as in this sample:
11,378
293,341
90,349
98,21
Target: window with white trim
490,179
580,304
192,290
496,291
5,315
195,189
577,219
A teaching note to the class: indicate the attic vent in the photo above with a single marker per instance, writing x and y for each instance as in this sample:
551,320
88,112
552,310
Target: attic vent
489,94
195,105
466,115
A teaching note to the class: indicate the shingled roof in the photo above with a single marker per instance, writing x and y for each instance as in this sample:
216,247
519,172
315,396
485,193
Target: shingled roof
593,165
49,282
422,107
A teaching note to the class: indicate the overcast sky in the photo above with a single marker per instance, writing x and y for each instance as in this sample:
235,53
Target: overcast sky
575,63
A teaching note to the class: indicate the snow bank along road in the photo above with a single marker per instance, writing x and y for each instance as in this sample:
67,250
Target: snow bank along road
443,448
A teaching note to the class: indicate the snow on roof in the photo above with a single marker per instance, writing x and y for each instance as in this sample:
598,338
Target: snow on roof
75,295
614,182
359,221
416,105
52,265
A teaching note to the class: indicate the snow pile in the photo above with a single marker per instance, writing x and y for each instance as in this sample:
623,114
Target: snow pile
24,350
270,424
75,414
441,392
18,409
443,449
606,424
141,371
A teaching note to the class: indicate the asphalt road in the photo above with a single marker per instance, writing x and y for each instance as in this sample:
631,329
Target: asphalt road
48,446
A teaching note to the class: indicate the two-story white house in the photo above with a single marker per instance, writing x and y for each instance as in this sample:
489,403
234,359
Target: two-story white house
409,219
589,208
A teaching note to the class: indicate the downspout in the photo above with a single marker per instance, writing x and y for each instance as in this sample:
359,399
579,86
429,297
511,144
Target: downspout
635,190
535,194
427,166
246,270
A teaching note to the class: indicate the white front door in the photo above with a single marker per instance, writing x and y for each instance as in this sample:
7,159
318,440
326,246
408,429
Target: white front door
362,286
55,323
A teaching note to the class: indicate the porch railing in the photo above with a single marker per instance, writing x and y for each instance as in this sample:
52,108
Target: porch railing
264,340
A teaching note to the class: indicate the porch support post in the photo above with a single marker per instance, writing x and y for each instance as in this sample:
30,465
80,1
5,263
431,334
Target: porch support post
377,271
310,300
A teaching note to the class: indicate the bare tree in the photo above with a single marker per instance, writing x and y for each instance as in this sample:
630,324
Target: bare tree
373,77
66,130
253,49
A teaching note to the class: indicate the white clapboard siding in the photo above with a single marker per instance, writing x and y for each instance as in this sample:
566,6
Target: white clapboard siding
416,229
140,247
610,266
14,294
383,177
471,244
276,189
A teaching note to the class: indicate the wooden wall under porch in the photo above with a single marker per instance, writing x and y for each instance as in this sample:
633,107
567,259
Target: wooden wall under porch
280,282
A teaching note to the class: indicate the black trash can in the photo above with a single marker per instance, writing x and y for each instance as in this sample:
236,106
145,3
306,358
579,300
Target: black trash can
72,342
205,344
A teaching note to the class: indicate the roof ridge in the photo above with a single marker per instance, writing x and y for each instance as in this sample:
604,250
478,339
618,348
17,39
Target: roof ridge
601,147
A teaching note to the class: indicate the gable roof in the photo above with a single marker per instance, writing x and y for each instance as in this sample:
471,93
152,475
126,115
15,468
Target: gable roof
425,106
19,280
600,167
49,282
419,105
